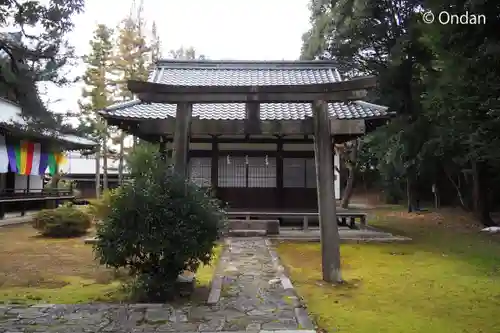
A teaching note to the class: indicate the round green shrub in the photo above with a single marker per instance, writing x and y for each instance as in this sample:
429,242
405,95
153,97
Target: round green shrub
65,221
159,225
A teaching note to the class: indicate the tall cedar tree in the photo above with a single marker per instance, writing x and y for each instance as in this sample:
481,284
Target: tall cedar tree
37,53
98,94
132,61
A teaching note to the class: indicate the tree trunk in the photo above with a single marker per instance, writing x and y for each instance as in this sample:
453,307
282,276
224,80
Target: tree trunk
98,173
346,196
104,164
120,162
351,168
481,202
435,192
53,186
409,193
457,188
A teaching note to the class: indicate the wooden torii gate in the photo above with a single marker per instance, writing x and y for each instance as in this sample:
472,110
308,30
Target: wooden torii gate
320,125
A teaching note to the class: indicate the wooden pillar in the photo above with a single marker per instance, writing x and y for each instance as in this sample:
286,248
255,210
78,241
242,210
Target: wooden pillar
252,121
330,240
214,170
181,138
279,172
97,172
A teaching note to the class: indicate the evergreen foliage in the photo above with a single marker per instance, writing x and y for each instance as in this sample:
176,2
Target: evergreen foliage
66,221
35,54
439,78
158,227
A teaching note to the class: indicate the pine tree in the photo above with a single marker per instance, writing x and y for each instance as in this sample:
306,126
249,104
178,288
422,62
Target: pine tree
98,94
31,56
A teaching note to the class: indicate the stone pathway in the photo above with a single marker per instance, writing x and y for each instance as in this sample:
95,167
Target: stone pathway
252,299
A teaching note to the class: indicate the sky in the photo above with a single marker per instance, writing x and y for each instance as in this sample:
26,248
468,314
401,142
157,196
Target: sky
218,29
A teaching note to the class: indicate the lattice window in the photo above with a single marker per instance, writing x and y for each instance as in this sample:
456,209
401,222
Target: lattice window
310,173
261,174
200,171
294,172
232,174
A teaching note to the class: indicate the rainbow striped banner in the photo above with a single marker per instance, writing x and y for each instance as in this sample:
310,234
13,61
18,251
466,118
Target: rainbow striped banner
27,158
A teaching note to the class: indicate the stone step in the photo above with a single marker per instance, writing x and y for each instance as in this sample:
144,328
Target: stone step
247,233
270,226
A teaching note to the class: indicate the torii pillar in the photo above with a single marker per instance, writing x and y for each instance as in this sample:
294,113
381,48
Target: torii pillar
330,240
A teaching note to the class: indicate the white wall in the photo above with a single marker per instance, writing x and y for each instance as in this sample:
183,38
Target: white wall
36,183
21,182
78,164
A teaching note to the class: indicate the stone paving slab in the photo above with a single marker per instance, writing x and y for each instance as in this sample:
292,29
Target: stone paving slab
347,235
252,299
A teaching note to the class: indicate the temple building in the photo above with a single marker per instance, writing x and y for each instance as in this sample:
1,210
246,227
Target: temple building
270,168
27,157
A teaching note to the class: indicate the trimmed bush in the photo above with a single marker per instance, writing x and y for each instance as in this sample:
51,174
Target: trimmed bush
100,208
65,221
159,225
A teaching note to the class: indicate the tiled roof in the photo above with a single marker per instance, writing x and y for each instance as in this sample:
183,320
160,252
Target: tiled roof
237,73
244,73
10,115
233,111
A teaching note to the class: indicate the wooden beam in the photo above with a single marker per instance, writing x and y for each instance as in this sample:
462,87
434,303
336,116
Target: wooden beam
330,240
181,138
252,93
216,98
347,126
260,153
239,127
342,91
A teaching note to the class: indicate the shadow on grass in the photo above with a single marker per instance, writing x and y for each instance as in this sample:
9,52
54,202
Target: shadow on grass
447,233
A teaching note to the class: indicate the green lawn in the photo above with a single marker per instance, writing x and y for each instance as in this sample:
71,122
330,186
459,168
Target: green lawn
34,269
446,281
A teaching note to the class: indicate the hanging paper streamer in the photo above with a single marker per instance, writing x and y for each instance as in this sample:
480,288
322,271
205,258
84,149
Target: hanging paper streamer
4,156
